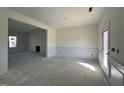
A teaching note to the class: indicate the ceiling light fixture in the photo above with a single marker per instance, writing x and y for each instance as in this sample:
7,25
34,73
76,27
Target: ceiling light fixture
90,9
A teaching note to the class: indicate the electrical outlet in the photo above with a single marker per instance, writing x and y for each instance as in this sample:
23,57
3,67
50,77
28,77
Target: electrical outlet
118,51
113,49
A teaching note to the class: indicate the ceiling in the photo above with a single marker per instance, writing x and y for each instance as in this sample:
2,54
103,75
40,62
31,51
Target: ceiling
62,17
18,26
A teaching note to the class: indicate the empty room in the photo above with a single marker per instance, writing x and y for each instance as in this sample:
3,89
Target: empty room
61,46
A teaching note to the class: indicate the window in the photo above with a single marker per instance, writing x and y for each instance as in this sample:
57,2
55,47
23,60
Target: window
12,41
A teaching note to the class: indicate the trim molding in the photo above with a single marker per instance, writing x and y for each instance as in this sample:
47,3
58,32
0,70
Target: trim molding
115,62
78,52
107,79
100,52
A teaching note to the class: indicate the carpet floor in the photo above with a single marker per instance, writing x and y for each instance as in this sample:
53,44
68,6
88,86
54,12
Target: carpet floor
29,69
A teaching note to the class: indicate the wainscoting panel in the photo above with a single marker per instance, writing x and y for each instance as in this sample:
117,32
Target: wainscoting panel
87,53
100,57
117,70
116,78
51,51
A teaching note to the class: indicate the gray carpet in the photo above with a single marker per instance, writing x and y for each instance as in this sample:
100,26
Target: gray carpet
28,69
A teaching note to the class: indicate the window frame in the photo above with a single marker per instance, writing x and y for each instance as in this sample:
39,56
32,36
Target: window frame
15,42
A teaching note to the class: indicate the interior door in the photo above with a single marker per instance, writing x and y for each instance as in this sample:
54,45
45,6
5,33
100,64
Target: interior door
106,63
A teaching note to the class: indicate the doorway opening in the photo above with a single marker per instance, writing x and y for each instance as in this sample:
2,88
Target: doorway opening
25,39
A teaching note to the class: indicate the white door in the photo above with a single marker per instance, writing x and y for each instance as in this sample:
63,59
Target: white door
106,51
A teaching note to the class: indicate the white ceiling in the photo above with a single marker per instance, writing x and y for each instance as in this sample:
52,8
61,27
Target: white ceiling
54,16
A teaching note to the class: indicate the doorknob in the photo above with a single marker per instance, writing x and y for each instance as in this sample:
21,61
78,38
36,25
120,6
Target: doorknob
107,53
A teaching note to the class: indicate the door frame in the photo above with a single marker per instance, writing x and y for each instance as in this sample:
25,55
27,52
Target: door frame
106,27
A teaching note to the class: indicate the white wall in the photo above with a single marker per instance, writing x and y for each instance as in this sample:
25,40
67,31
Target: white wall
51,38
38,38
85,37
3,43
116,31
4,15
22,39
116,17
78,41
